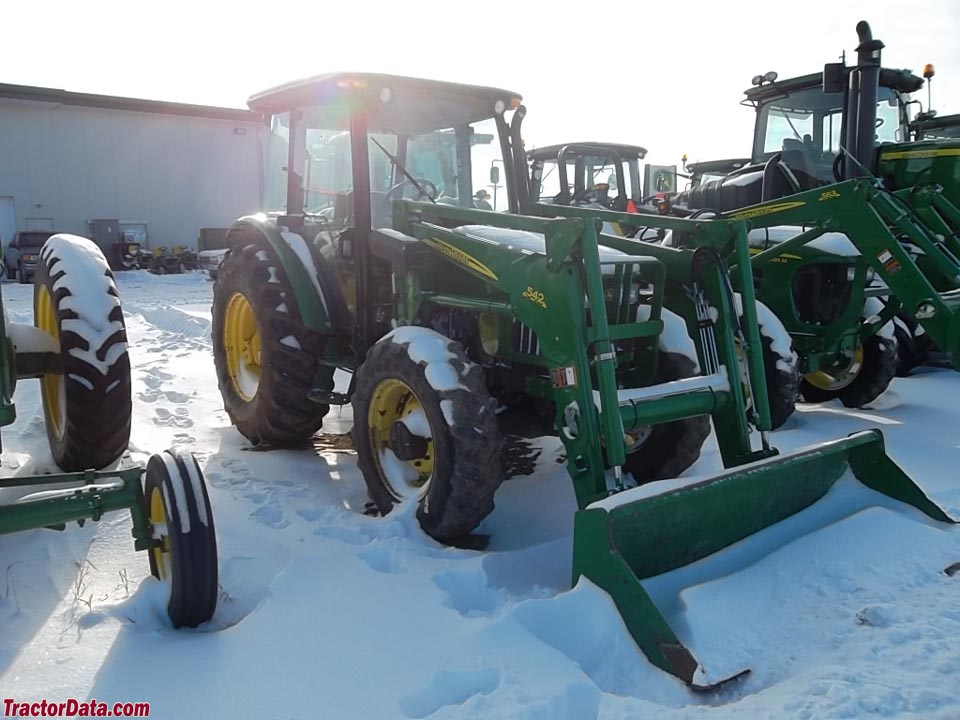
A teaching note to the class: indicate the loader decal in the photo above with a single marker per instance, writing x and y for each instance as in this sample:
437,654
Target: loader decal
766,210
829,195
460,257
920,154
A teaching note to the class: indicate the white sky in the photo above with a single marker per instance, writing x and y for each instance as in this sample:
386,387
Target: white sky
666,75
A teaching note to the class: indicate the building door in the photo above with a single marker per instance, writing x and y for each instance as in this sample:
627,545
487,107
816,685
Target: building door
8,220
35,223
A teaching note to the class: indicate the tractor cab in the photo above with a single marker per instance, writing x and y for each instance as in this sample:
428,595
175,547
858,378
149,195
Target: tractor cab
927,126
589,173
342,148
804,121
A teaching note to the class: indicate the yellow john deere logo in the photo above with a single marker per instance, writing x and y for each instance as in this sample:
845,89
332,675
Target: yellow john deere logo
920,154
767,210
829,195
459,256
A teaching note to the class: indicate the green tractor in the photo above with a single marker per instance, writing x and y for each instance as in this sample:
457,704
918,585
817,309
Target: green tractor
77,348
842,124
450,318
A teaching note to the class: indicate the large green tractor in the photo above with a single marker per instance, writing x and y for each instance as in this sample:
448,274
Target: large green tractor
450,319
846,123
77,349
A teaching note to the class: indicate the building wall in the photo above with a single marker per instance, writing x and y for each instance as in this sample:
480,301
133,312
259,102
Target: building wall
176,173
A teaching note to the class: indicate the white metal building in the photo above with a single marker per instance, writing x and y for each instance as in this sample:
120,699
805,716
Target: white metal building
163,170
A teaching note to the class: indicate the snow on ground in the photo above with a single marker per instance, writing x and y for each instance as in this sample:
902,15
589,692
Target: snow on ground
326,612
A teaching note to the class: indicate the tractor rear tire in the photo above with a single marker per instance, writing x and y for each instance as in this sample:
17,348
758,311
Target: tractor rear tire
265,392
181,521
87,408
878,368
912,349
672,447
783,384
424,381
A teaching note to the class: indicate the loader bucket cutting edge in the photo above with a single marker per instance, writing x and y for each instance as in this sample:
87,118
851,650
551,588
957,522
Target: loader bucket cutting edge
619,542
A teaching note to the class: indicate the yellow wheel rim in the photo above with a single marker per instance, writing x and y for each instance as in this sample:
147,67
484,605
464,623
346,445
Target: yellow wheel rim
840,374
158,521
53,387
241,342
393,401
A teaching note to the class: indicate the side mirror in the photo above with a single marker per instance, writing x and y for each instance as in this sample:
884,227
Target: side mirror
494,175
659,179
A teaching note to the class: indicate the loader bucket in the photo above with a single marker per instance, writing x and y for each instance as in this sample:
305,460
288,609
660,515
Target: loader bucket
632,536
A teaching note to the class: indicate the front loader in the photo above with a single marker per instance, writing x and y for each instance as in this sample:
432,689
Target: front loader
449,318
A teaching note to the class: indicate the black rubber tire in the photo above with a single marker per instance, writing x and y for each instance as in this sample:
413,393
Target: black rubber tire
192,544
671,447
97,405
21,275
912,349
783,385
467,467
279,413
11,272
878,370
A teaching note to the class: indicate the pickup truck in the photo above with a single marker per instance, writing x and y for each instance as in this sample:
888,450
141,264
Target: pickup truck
21,255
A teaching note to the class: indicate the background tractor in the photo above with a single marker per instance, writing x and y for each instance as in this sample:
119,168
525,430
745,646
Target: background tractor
78,350
448,319
853,122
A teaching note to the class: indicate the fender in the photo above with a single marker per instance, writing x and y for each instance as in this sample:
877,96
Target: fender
298,262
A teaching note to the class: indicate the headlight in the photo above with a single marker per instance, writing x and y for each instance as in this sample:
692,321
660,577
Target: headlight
29,258
871,274
851,273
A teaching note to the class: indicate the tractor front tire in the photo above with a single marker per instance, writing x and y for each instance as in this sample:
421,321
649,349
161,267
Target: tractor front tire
877,360
266,359
87,408
425,429
670,448
181,523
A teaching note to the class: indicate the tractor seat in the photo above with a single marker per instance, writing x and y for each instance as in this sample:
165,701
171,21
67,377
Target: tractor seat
529,242
831,243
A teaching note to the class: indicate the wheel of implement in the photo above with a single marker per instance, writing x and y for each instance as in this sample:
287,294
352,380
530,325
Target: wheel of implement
87,407
181,523
425,429
662,452
266,360
856,380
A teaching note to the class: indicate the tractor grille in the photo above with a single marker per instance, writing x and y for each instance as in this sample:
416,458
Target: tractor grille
821,292
525,340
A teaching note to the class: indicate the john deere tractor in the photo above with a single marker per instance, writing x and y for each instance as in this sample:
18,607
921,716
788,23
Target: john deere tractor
449,318
851,123
77,348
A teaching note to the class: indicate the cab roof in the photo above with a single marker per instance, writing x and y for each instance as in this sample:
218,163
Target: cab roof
392,103
626,152
901,80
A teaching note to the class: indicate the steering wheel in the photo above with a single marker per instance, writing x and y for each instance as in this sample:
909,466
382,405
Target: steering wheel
396,192
594,194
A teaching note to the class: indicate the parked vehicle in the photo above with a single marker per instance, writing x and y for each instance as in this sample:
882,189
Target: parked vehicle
21,255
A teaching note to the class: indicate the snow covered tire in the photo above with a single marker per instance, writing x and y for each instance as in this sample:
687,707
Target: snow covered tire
278,412
466,441
87,409
177,505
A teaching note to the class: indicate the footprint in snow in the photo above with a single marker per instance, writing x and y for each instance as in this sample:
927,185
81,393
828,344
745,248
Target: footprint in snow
271,516
179,418
383,559
469,593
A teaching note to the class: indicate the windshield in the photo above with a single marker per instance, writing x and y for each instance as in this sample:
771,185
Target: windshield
449,166
590,179
806,125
